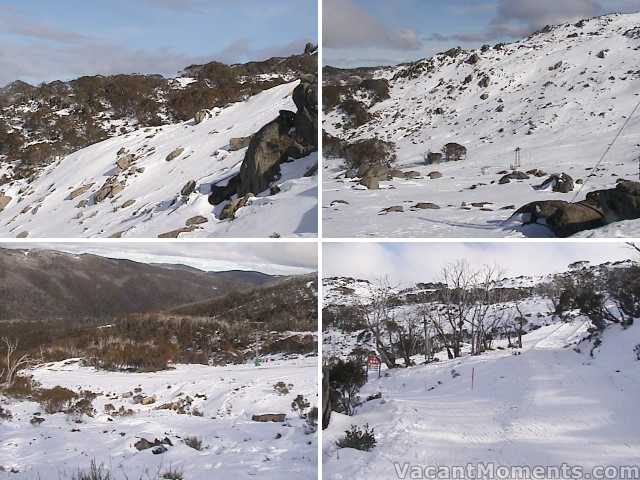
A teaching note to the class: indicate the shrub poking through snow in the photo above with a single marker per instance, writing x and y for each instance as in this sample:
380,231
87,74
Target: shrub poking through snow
312,421
5,414
56,399
95,472
300,405
346,378
371,151
282,388
636,350
172,474
359,439
194,442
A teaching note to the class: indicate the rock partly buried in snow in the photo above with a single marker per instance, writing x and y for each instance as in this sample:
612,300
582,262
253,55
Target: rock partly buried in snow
268,148
454,152
144,444
125,161
269,417
238,143
563,218
392,209
561,183
434,175
175,154
109,190
229,211
515,175
4,201
201,116
76,193
176,233
197,220
188,188
536,172
426,206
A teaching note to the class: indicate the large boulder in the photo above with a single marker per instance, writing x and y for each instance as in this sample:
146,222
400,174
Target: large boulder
620,203
563,218
109,189
268,148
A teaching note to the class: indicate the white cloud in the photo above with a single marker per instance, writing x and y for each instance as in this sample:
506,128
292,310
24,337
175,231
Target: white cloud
346,25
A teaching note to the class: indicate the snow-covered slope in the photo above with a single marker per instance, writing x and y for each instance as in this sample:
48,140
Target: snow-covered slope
547,406
151,204
561,96
225,397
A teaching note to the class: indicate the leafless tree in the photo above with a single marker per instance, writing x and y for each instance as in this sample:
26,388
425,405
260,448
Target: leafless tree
13,362
379,316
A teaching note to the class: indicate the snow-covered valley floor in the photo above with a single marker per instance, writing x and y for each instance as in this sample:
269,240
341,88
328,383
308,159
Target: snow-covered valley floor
547,406
234,446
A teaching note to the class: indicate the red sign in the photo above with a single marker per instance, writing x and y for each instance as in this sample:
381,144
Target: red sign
373,361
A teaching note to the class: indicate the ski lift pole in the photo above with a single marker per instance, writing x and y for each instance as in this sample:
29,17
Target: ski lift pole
473,375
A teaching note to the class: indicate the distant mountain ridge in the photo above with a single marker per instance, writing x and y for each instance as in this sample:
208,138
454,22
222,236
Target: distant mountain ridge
50,285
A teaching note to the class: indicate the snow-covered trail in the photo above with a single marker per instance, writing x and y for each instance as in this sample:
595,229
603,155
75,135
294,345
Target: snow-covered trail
225,397
547,406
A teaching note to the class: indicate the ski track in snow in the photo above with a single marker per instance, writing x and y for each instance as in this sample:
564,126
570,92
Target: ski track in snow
547,406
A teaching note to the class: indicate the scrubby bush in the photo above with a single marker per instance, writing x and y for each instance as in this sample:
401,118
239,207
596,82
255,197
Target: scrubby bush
5,414
56,399
359,439
172,474
378,87
371,151
346,379
356,112
636,350
312,421
282,388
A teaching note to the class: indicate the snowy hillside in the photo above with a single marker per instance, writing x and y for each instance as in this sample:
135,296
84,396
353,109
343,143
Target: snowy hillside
560,96
160,185
212,404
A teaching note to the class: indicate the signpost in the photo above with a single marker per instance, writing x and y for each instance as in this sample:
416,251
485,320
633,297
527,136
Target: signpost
373,362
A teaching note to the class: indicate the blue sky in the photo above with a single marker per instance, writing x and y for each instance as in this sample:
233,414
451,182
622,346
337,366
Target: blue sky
378,32
409,263
46,40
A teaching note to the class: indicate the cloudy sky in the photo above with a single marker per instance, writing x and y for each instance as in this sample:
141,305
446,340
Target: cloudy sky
409,263
43,40
388,32
277,258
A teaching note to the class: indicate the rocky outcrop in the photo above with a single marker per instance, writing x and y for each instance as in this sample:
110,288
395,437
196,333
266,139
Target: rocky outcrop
292,135
201,116
561,183
188,188
229,211
454,152
515,175
599,208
